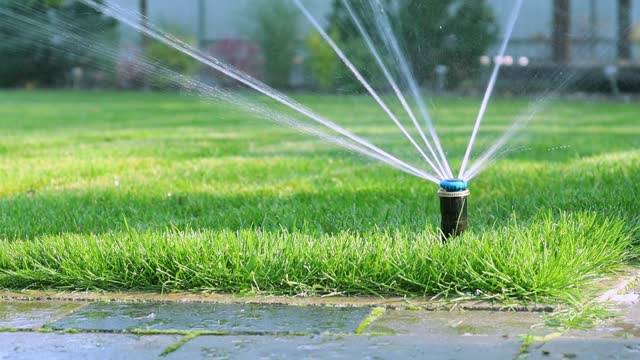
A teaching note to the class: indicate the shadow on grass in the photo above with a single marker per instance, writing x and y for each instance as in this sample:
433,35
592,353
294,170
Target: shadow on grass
412,210
107,211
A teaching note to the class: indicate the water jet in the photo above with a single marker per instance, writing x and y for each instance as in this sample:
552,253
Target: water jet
453,191
453,195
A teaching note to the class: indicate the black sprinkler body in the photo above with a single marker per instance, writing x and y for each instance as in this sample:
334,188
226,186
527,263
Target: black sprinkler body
453,207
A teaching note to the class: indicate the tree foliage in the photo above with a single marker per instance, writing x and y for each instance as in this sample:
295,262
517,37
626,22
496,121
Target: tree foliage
432,32
449,32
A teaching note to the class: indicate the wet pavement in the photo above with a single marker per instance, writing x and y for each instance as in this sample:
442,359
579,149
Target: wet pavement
112,330
458,323
34,345
28,315
586,348
349,347
225,318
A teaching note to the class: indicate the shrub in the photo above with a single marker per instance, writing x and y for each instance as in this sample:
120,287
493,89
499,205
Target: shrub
171,58
242,54
276,33
322,62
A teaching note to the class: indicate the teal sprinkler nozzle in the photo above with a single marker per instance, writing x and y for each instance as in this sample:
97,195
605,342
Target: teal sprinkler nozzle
453,195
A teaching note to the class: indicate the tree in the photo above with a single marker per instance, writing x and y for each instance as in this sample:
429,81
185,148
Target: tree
343,30
44,54
448,32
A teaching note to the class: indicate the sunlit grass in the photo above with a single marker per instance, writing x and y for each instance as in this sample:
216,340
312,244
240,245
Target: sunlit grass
544,260
164,192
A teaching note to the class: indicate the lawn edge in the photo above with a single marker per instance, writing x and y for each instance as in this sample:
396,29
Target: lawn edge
392,303
609,289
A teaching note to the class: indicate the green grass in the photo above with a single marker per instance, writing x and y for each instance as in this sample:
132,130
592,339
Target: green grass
373,316
580,317
166,193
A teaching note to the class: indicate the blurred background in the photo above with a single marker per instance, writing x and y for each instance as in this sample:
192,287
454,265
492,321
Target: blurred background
450,44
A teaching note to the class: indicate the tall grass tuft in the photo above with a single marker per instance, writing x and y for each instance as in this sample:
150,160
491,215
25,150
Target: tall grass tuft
549,259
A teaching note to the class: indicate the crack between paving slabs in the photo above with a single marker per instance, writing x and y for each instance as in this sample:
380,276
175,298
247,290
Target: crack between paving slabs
373,315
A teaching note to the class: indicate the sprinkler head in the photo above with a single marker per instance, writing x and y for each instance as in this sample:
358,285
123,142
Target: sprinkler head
453,195
454,185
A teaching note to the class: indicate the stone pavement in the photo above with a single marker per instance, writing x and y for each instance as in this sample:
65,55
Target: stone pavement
112,330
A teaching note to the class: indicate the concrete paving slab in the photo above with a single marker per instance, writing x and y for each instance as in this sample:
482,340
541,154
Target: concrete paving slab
30,315
52,346
348,347
231,318
420,323
586,349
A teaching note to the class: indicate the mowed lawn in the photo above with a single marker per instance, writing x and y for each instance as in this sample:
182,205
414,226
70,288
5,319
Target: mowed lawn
163,192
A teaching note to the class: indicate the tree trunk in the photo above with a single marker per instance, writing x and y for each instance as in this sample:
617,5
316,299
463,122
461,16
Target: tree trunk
143,22
561,30
144,41
624,30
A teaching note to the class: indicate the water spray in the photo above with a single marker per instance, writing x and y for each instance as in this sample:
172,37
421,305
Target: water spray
453,195
453,192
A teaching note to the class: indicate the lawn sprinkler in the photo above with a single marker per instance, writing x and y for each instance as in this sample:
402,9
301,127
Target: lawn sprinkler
453,195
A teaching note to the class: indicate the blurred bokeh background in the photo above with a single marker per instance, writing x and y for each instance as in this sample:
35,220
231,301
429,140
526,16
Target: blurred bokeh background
450,44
